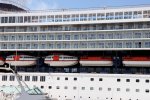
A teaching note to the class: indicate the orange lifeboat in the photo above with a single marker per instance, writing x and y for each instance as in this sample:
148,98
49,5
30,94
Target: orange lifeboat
1,61
96,61
21,60
61,60
136,61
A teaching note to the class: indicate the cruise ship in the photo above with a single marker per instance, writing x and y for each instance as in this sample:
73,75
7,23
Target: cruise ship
77,54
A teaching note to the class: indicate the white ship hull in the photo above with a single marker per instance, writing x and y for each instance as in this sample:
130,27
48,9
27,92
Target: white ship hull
96,63
61,63
137,63
21,63
88,86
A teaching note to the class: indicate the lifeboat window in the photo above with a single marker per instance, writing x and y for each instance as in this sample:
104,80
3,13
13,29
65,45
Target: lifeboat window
74,88
12,78
75,79
147,81
100,79
127,80
118,80
137,90
137,80
4,78
83,88
34,78
92,79
147,90
42,78
66,78
27,78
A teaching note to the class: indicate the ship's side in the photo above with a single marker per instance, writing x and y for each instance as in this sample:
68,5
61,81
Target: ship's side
79,54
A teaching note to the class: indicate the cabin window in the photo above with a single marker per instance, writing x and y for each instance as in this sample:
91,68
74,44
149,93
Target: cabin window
65,87
137,90
27,78
127,80
100,88
4,78
137,80
118,89
83,88
91,88
100,79
42,87
147,81
66,78
20,78
12,78
118,80
34,78
109,89
58,78
127,90
42,78
50,87
74,88
75,79
147,90
57,87
92,79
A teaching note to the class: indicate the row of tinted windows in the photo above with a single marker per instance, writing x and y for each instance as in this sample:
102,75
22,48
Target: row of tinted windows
26,78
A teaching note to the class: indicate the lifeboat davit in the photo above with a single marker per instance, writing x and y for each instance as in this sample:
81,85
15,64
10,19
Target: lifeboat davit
136,61
96,61
1,61
61,60
21,60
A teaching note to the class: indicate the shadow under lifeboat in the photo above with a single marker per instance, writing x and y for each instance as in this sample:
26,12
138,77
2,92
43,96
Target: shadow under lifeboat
61,60
21,60
96,61
2,61
136,61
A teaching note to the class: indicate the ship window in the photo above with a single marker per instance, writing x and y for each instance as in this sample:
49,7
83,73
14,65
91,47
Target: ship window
12,78
75,79
42,78
83,88
147,90
109,89
100,88
57,87
66,78
65,87
58,78
127,90
118,89
74,88
34,78
91,88
50,87
27,78
4,78
137,80
147,81
127,80
92,79
137,90
20,78
118,80
100,79
42,87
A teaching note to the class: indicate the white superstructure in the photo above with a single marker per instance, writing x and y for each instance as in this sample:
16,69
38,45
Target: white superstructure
79,54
